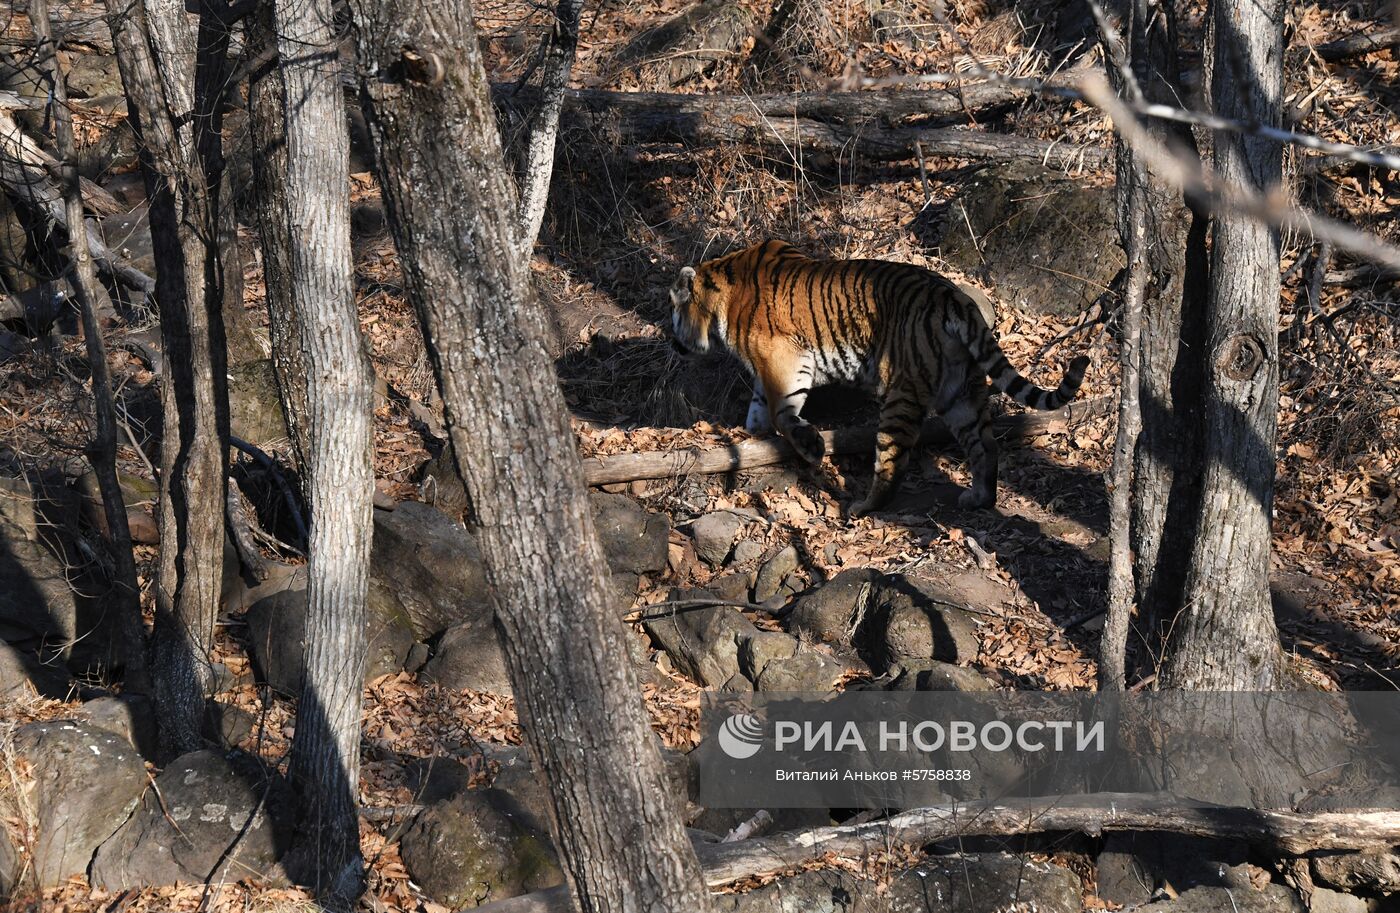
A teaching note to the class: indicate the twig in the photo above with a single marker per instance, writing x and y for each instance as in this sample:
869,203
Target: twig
271,466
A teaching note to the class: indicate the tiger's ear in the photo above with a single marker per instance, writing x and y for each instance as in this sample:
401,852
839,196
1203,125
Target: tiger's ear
683,290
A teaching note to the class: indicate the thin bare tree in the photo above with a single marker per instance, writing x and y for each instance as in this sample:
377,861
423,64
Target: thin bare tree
173,79
454,217
561,46
102,449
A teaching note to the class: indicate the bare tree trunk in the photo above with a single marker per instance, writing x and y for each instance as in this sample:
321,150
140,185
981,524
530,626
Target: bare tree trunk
452,210
311,199
177,127
269,158
102,450
1164,471
1225,637
539,160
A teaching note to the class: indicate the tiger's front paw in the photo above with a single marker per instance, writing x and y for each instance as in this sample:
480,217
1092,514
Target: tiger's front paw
808,443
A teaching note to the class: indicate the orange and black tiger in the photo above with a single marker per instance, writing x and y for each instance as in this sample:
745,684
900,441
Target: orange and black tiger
912,335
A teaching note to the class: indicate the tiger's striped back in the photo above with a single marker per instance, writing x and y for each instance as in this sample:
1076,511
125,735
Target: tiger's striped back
913,336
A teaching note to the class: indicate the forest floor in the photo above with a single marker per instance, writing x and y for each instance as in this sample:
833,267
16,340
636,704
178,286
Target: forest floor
623,221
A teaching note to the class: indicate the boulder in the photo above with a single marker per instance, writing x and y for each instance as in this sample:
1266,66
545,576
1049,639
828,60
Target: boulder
11,868
702,641
634,538
757,651
468,657
1374,872
714,535
688,44
807,671
829,613
209,814
227,724
130,716
35,530
940,884
933,675
426,571
277,633
912,621
747,552
87,781
21,670
254,405
1046,242
774,571
472,848
1275,898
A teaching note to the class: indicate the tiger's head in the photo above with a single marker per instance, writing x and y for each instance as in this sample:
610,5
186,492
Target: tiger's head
695,305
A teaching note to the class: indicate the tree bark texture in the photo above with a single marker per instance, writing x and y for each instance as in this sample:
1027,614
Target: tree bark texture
539,157
314,209
1225,638
452,210
269,159
177,129
1165,470
849,124
102,449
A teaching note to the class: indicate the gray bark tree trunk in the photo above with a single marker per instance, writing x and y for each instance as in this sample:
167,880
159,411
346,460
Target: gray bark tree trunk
172,94
452,210
313,209
269,160
102,449
539,158
1164,471
1225,637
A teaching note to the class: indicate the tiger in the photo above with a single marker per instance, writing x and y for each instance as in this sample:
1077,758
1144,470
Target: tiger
914,337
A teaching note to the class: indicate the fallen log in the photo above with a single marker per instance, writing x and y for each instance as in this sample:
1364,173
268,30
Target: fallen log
1283,832
25,176
1358,44
842,124
629,467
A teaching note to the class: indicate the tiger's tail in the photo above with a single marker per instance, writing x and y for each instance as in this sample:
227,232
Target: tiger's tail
978,337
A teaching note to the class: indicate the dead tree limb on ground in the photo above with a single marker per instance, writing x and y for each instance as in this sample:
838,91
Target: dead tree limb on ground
1287,833
853,123
1358,44
751,454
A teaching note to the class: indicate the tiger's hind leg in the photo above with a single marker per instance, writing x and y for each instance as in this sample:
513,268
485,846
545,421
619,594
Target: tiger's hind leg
901,416
970,421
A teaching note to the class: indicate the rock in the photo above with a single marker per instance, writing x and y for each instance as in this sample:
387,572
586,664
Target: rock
466,659
10,866
1374,872
254,405
733,586
227,724
738,684
703,642
1275,898
688,44
714,535
933,675
87,781
915,620
426,570
469,850
774,571
747,552
828,613
940,884
1326,900
634,539
208,813
93,76
21,670
807,671
277,630
418,656
35,525
1046,243
130,716
757,651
